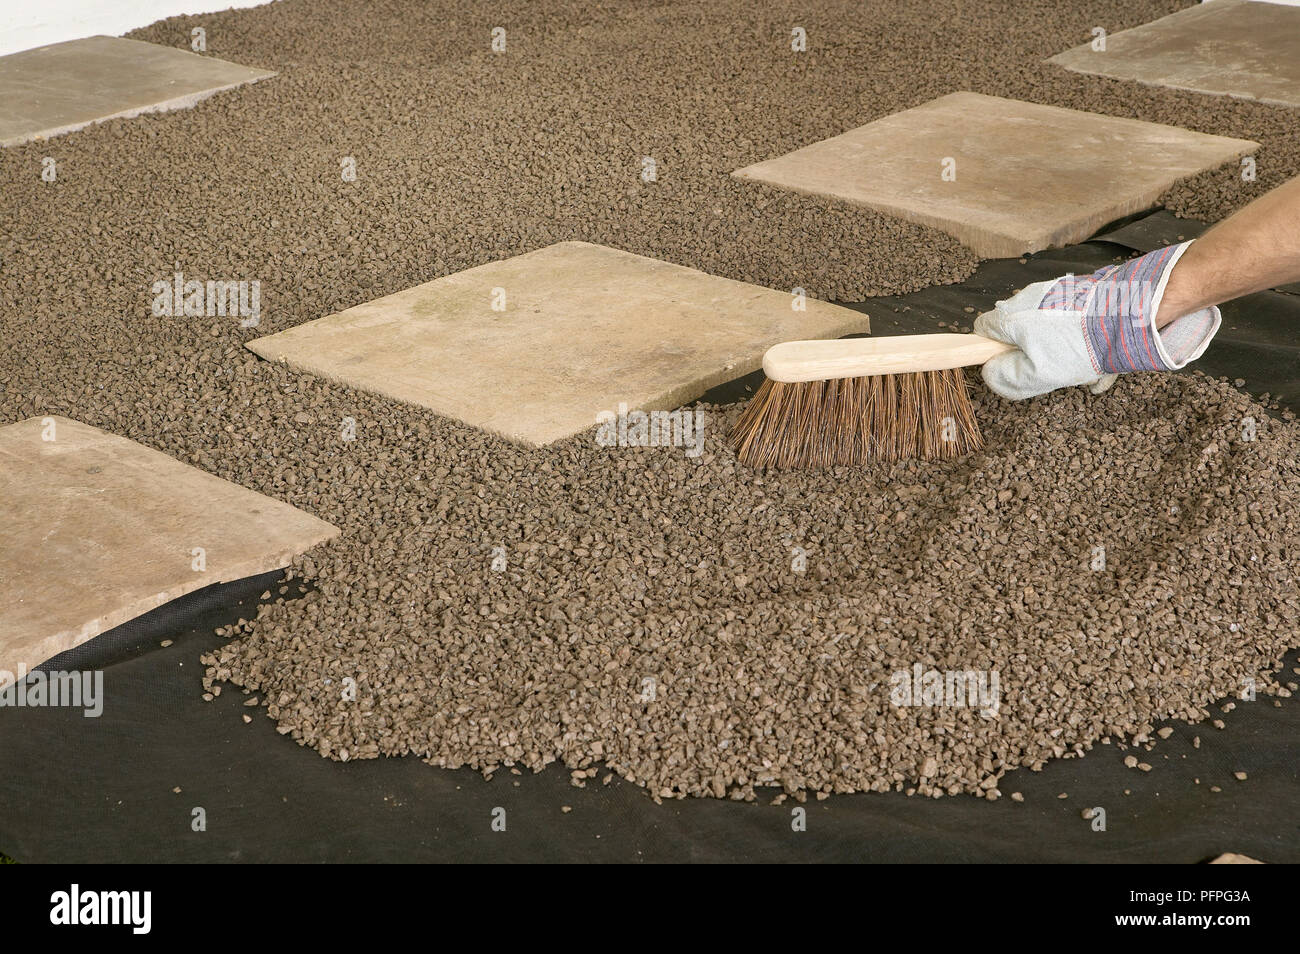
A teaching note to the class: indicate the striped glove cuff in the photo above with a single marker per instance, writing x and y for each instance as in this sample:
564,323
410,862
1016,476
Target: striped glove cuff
1117,306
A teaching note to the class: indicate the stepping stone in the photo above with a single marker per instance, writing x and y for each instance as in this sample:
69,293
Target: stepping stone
1024,177
1231,858
584,328
100,529
55,89
1226,48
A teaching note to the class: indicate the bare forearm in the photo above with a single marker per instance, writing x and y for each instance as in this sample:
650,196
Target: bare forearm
1255,248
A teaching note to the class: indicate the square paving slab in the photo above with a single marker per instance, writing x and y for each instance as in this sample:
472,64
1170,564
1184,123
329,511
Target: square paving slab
584,328
55,89
1226,48
1022,177
100,529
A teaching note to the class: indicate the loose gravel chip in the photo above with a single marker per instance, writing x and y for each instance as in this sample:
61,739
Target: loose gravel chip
498,606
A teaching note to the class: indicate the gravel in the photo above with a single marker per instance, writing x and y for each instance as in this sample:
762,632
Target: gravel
649,616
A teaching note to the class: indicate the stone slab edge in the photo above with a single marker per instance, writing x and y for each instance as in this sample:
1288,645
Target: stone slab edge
855,322
1076,58
166,106
50,646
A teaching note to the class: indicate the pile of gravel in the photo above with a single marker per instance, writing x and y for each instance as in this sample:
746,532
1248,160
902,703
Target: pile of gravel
704,629
648,614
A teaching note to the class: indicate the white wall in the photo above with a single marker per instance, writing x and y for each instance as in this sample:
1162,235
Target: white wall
28,23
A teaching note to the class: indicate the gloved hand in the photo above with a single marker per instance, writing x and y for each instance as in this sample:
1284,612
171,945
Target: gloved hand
1086,329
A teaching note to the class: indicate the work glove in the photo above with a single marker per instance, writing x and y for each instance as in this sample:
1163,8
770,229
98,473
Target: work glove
1087,329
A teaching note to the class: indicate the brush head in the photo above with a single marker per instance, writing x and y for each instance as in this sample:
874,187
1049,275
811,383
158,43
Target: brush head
849,421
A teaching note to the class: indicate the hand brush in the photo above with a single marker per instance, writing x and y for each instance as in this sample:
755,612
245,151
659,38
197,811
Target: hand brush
843,402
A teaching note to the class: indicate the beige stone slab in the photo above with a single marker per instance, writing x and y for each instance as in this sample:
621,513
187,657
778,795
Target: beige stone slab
584,328
1225,48
99,529
56,89
1027,177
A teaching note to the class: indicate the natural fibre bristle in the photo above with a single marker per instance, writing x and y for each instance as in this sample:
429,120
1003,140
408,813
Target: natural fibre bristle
849,421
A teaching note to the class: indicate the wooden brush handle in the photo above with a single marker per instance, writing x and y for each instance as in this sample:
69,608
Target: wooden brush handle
863,357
